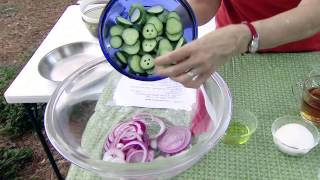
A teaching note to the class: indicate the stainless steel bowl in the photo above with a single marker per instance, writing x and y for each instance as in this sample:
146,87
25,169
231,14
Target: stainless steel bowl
73,102
64,60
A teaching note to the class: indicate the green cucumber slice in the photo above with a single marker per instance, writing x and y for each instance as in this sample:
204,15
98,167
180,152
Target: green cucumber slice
159,38
164,47
149,45
163,52
150,71
121,57
122,21
134,64
155,9
147,62
116,42
173,26
131,50
163,16
173,14
149,31
136,6
136,15
174,37
130,36
157,24
180,43
116,30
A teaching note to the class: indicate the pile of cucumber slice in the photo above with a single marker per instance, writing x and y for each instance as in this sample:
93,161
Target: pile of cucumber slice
146,34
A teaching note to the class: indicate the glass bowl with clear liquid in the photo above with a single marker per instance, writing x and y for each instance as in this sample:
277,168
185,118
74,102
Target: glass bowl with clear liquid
243,124
91,11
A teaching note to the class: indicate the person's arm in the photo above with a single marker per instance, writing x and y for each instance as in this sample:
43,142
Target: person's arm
295,24
203,56
204,10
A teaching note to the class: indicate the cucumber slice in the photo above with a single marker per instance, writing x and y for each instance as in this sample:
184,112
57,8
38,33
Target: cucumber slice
155,9
134,64
164,47
142,20
150,71
148,45
132,50
149,31
147,62
136,6
173,14
163,16
157,24
130,36
159,38
116,30
122,21
116,42
174,37
121,57
136,15
173,26
163,52
179,43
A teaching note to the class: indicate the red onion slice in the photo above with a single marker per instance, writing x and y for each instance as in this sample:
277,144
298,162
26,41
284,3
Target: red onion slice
136,143
174,140
150,156
135,156
114,155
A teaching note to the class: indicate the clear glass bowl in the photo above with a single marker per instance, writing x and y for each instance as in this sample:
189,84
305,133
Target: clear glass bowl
243,124
117,8
74,100
282,146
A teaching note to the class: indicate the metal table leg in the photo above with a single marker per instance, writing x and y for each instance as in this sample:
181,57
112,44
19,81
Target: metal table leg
32,110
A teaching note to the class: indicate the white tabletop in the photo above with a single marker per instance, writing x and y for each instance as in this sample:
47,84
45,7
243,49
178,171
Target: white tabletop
29,86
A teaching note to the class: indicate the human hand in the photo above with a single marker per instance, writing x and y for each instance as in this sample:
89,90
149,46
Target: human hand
193,63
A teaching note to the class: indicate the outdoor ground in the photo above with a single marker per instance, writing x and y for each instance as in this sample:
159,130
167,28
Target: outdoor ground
23,26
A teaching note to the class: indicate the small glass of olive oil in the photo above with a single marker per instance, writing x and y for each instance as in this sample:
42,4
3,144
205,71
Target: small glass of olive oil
242,126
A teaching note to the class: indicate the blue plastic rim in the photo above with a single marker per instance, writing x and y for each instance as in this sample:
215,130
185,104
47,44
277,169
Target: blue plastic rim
117,8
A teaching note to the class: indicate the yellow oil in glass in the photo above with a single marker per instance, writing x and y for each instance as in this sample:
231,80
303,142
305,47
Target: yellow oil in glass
237,133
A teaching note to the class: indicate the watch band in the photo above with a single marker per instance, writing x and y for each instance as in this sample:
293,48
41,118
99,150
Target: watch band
253,46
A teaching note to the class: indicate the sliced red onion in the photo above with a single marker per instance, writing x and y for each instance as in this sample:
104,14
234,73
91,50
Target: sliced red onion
113,154
134,144
153,144
161,130
174,140
135,156
150,156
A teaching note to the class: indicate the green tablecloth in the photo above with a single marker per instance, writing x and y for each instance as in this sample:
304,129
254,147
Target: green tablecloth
261,84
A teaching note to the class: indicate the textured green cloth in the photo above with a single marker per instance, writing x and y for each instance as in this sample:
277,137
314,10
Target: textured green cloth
261,84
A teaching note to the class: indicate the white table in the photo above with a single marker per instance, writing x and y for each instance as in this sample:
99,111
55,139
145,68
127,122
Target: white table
30,87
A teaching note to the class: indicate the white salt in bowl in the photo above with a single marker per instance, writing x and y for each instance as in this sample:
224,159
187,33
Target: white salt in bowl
294,136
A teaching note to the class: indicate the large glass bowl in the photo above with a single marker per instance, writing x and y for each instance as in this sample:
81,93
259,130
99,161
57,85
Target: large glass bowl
117,8
74,100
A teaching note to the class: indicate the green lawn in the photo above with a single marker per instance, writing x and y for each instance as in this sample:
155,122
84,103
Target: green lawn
13,124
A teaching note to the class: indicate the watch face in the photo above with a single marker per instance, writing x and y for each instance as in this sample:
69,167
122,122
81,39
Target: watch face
254,45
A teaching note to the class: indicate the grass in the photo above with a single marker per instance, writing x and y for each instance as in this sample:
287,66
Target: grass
11,160
13,118
13,123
